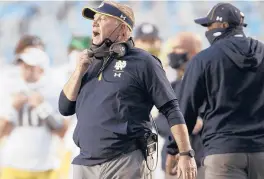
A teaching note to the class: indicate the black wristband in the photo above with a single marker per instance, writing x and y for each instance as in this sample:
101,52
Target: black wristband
66,107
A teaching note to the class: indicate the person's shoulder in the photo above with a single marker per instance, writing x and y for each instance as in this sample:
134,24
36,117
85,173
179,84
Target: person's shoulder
141,56
206,53
212,53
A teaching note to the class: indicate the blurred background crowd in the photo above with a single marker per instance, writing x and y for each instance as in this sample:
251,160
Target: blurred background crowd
56,21
27,28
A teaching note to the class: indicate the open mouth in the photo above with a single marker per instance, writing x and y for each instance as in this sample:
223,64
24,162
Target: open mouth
95,34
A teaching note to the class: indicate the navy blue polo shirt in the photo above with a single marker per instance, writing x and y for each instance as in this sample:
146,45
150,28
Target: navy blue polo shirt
113,109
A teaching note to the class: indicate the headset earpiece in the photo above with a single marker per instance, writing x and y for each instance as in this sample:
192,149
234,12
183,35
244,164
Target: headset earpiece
121,49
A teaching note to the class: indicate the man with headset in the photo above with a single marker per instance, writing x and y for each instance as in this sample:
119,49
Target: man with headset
112,91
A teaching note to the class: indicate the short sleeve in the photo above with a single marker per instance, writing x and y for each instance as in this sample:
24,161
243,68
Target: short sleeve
156,83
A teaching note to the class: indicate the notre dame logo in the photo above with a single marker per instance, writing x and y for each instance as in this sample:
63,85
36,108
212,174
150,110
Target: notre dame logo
119,66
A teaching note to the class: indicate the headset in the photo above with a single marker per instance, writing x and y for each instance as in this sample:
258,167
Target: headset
116,50
120,49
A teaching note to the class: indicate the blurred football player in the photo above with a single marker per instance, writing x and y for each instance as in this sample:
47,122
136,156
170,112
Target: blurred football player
30,119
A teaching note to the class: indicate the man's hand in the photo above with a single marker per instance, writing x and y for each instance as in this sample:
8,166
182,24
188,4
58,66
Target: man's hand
172,164
6,127
83,62
62,131
19,99
72,87
187,168
198,126
182,166
35,99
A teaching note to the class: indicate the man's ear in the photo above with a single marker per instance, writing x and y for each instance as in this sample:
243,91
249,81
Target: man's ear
124,30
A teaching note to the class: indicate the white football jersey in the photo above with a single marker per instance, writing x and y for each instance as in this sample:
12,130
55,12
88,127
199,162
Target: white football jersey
29,145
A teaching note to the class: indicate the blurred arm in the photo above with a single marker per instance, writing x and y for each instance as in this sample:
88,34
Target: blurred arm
5,127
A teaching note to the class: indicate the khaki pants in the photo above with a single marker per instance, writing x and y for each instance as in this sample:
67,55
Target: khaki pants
10,173
235,166
127,166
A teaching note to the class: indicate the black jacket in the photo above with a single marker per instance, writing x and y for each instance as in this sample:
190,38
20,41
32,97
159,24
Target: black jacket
228,79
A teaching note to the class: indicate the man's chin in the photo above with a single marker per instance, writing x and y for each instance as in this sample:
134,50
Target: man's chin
97,42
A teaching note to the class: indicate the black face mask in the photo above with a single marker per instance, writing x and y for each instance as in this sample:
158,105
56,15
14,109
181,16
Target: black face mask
221,33
100,51
214,34
176,60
